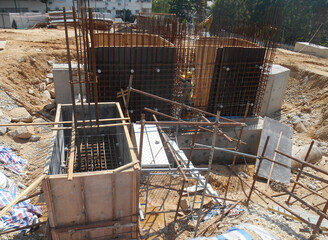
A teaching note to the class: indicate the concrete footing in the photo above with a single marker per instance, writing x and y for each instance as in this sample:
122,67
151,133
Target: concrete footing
275,90
251,135
312,49
62,86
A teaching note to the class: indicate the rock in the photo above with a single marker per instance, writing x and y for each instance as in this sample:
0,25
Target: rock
306,110
20,114
48,81
22,132
22,186
314,157
184,204
322,133
3,44
30,91
311,186
32,60
34,138
46,94
20,60
42,87
4,120
299,127
50,63
50,76
296,119
52,93
36,81
50,106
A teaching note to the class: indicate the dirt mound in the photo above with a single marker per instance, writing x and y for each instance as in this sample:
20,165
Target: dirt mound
26,60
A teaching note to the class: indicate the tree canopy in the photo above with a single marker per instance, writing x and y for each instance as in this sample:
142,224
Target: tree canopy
298,20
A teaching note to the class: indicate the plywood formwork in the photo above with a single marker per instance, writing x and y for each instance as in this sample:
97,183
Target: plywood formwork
214,58
95,204
129,39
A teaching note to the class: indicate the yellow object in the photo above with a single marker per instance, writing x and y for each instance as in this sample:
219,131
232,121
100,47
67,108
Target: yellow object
206,23
187,76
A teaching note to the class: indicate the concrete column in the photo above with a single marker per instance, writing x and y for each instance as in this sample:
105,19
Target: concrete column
275,90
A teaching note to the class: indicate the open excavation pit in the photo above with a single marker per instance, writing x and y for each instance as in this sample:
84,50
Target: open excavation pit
181,95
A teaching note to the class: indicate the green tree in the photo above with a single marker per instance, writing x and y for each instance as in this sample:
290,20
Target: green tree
184,9
128,16
228,13
200,11
160,6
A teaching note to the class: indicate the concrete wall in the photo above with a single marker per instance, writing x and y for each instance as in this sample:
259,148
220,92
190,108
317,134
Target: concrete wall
312,49
251,135
275,90
21,20
62,86
22,6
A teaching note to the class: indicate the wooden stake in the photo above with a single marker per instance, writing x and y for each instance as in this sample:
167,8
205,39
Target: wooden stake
71,154
274,159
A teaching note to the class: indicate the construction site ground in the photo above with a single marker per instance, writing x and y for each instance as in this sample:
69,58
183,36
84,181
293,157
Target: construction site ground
28,58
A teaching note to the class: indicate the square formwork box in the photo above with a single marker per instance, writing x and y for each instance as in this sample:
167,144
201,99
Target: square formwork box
99,204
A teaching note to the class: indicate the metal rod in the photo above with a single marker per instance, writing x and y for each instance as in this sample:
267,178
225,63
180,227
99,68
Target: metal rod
258,169
100,126
272,164
181,105
237,149
128,96
321,218
321,214
301,169
186,123
141,137
220,133
59,122
217,124
230,151
168,145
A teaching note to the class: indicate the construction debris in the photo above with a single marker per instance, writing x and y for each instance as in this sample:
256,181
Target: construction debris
2,45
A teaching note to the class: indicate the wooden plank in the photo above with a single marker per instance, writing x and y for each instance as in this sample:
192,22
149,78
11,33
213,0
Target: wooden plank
274,159
153,153
127,135
205,56
123,197
106,197
99,201
67,202
273,128
71,153
22,194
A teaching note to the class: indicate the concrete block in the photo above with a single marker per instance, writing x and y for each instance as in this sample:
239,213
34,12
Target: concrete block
251,135
275,90
273,128
312,49
62,85
2,45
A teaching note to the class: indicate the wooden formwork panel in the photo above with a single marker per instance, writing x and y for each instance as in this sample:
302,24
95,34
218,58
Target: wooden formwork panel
93,205
129,39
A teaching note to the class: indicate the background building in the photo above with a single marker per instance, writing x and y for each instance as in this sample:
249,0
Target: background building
113,8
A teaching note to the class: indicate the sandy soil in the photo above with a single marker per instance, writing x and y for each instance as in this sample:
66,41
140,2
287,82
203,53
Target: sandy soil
28,58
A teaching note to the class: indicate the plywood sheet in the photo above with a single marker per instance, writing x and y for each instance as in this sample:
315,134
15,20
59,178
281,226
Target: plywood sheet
273,128
236,80
90,198
153,153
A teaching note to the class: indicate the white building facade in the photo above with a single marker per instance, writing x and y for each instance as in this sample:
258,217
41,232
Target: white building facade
113,8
